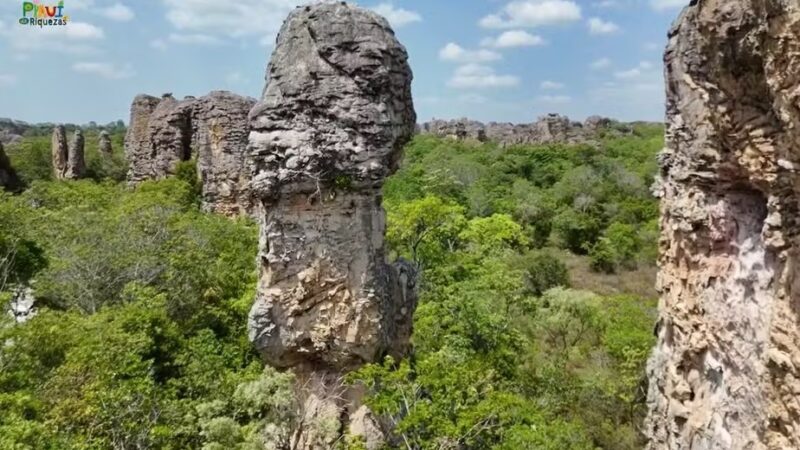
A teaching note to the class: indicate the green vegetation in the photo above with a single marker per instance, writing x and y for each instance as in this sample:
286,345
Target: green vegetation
527,335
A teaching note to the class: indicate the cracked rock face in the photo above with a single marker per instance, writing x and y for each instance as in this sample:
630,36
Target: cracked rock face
60,152
329,129
163,132
76,163
725,373
220,133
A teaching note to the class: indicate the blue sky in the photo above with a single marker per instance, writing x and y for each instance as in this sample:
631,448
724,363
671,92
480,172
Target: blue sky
503,60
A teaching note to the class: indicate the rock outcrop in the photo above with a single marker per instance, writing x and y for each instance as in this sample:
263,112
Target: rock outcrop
60,152
725,373
220,133
329,129
8,177
76,163
163,132
104,145
11,131
549,129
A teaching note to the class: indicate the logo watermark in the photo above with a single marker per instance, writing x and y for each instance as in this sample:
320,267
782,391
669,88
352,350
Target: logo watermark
35,13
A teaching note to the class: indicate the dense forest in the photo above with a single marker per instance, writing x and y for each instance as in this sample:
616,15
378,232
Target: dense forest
535,320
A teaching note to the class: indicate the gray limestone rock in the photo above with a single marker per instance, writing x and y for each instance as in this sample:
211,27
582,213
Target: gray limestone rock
213,129
104,145
329,129
220,133
60,152
76,162
725,373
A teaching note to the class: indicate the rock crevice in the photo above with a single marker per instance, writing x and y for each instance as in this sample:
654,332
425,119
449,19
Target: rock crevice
725,372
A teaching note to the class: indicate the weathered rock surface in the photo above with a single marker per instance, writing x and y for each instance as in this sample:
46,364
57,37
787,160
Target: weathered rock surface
76,163
552,128
104,144
60,152
726,370
163,132
8,177
220,132
11,131
329,129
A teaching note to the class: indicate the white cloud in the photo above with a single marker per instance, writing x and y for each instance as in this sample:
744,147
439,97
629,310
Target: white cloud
480,76
600,26
118,12
76,38
554,99
600,64
7,79
551,85
661,5
158,44
104,70
193,39
635,72
398,17
533,13
513,38
456,53
235,19
606,4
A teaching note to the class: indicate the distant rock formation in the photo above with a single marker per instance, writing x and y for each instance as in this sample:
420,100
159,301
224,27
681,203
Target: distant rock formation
329,129
725,373
220,132
104,144
552,128
60,152
11,131
76,163
8,177
214,128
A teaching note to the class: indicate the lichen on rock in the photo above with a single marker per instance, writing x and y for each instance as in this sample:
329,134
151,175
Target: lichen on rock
726,370
329,129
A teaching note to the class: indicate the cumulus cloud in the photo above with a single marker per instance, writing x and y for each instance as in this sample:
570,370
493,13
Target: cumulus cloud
104,70
551,85
554,99
118,12
456,53
398,17
600,64
226,18
662,5
600,26
479,76
533,13
77,37
513,38
634,72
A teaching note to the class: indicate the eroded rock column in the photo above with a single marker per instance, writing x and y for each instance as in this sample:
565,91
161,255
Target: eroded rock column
76,162
60,152
8,177
329,129
104,145
726,370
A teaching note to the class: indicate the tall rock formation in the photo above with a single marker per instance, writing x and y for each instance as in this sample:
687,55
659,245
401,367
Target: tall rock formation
329,129
60,152
163,132
104,145
76,163
220,136
726,370
8,177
